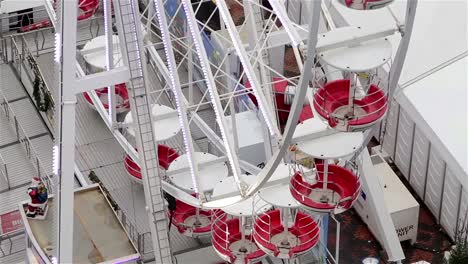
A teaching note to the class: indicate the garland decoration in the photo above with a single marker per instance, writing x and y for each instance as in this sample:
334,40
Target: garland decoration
41,94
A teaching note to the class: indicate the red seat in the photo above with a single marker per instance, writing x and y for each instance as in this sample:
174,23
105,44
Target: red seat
308,232
35,26
266,226
282,109
335,94
184,211
227,232
221,237
88,8
120,90
340,180
306,113
166,156
269,224
374,103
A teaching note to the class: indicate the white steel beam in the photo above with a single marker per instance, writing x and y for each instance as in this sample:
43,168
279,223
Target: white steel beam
65,137
201,165
263,105
102,79
257,40
197,120
174,83
376,201
297,104
214,95
51,12
280,38
280,10
397,66
312,136
109,58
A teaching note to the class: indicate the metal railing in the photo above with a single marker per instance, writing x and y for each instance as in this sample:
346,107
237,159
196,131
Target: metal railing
10,247
143,241
269,224
299,185
16,21
42,40
4,172
26,67
23,138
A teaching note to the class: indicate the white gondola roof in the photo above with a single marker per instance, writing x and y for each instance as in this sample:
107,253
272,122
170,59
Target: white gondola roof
438,101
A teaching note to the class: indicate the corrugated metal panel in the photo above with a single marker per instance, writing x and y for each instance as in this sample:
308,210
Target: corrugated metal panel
435,177
28,117
419,162
89,125
43,146
100,154
7,134
463,212
20,169
9,84
11,199
390,130
16,258
448,218
404,143
14,250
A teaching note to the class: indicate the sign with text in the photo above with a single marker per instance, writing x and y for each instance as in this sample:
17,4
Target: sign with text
10,222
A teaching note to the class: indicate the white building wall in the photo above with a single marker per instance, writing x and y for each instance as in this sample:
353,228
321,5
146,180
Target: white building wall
450,203
435,181
425,169
419,162
404,143
390,129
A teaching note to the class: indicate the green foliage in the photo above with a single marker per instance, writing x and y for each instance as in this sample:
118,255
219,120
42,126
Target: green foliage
459,255
41,95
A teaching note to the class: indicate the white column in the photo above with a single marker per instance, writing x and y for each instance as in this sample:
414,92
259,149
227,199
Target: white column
66,51
109,58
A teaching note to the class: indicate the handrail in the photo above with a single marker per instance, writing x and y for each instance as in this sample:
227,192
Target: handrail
7,237
4,171
32,70
36,11
26,142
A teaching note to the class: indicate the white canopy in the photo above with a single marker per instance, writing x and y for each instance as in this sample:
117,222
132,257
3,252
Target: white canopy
437,102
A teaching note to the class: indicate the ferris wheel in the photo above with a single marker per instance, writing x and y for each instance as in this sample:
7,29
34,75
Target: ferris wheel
285,108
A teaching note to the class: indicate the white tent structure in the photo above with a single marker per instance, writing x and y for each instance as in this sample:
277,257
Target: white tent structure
426,132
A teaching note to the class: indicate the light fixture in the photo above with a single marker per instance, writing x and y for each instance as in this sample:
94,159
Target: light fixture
248,69
177,96
211,88
110,103
55,159
58,47
285,21
370,260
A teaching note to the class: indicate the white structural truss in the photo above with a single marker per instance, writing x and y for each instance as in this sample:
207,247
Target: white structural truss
210,59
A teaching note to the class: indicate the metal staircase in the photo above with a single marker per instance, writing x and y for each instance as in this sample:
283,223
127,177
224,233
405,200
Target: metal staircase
131,43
